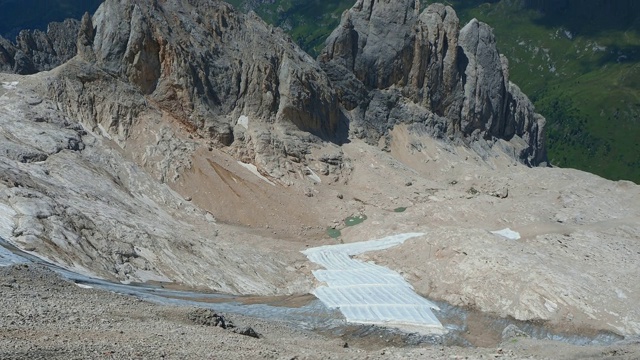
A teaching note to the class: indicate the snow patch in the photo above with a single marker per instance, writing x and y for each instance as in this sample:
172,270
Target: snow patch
10,85
313,176
255,171
83,286
507,233
367,293
244,121
621,294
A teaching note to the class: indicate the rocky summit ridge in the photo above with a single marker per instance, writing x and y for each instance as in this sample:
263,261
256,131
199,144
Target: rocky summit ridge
35,50
394,63
209,66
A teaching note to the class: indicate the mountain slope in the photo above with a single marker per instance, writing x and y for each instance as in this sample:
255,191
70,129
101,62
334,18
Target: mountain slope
425,71
579,69
577,60
189,143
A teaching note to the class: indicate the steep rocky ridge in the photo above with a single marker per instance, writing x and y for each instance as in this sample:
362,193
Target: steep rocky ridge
207,67
35,50
393,63
163,53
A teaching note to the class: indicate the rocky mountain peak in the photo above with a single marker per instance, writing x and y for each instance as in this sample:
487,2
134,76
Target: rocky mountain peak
34,50
86,34
207,66
205,55
386,56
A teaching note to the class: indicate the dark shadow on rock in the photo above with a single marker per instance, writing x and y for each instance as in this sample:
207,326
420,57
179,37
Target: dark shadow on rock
341,136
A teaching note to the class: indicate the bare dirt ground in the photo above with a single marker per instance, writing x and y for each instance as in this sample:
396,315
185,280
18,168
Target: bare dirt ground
44,317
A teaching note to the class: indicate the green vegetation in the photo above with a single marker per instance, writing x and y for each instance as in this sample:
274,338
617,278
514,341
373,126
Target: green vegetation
16,15
309,22
334,233
579,65
400,209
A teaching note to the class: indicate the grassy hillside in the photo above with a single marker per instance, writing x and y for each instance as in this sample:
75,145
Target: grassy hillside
579,61
309,22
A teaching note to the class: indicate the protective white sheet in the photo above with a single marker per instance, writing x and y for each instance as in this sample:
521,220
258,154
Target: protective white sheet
368,293
7,214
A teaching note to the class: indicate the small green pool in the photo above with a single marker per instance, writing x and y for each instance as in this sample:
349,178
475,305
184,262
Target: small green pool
333,233
355,220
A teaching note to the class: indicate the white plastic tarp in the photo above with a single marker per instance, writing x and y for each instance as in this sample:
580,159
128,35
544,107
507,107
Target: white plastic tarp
369,293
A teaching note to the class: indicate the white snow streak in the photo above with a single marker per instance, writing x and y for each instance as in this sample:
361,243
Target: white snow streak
254,170
244,121
10,85
83,286
508,233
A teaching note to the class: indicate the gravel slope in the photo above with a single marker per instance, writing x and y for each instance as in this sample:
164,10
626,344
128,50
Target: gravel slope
44,317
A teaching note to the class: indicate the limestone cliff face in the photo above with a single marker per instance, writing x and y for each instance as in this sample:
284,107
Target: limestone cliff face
209,65
392,63
247,87
226,76
35,51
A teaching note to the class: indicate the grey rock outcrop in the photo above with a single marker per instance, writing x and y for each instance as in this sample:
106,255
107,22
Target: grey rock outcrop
35,51
247,87
393,64
209,63
206,66
512,331
72,197
207,317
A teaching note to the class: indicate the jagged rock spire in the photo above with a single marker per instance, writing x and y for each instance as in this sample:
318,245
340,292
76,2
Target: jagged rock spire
391,56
